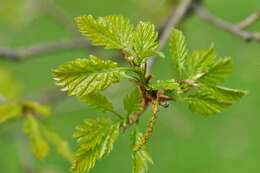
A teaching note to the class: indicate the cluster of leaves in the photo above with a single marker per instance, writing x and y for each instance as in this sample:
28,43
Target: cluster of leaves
197,84
11,107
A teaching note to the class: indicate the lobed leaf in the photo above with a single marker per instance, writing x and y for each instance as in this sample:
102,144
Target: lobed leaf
96,138
84,76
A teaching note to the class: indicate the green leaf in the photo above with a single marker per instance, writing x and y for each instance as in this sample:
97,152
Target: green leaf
37,108
132,102
96,138
141,158
199,62
145,41
203,66
61,145
170,84
39,145
111,31
98,101
9,111
179,51
210,100
84,76
217,72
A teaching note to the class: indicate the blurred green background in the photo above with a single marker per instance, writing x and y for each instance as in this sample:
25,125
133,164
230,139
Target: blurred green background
183,142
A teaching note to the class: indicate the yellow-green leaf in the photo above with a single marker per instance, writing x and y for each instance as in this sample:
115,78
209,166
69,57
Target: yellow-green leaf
8,111
110,31
39,145
96,138
84,76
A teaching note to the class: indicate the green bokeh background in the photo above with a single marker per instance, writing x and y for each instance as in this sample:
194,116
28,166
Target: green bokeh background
183,142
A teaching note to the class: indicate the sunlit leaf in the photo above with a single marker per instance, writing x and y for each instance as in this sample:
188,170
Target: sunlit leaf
145,41
179,52
96,138
110,31
84,76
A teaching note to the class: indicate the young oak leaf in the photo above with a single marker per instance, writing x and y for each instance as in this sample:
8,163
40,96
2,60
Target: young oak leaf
84,76
96,138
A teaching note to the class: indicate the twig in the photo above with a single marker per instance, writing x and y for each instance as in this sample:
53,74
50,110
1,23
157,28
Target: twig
43,49
250,20
177,15
235,29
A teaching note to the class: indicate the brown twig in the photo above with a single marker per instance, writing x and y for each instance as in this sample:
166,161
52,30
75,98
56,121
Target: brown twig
43,49
235,29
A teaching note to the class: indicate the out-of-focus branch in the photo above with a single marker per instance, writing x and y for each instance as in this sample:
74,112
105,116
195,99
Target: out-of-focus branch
235,29
176,17
43,49
250,20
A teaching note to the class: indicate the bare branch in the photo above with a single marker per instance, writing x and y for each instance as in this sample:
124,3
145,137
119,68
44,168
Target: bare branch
177,15
250,20
43,49
235,29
